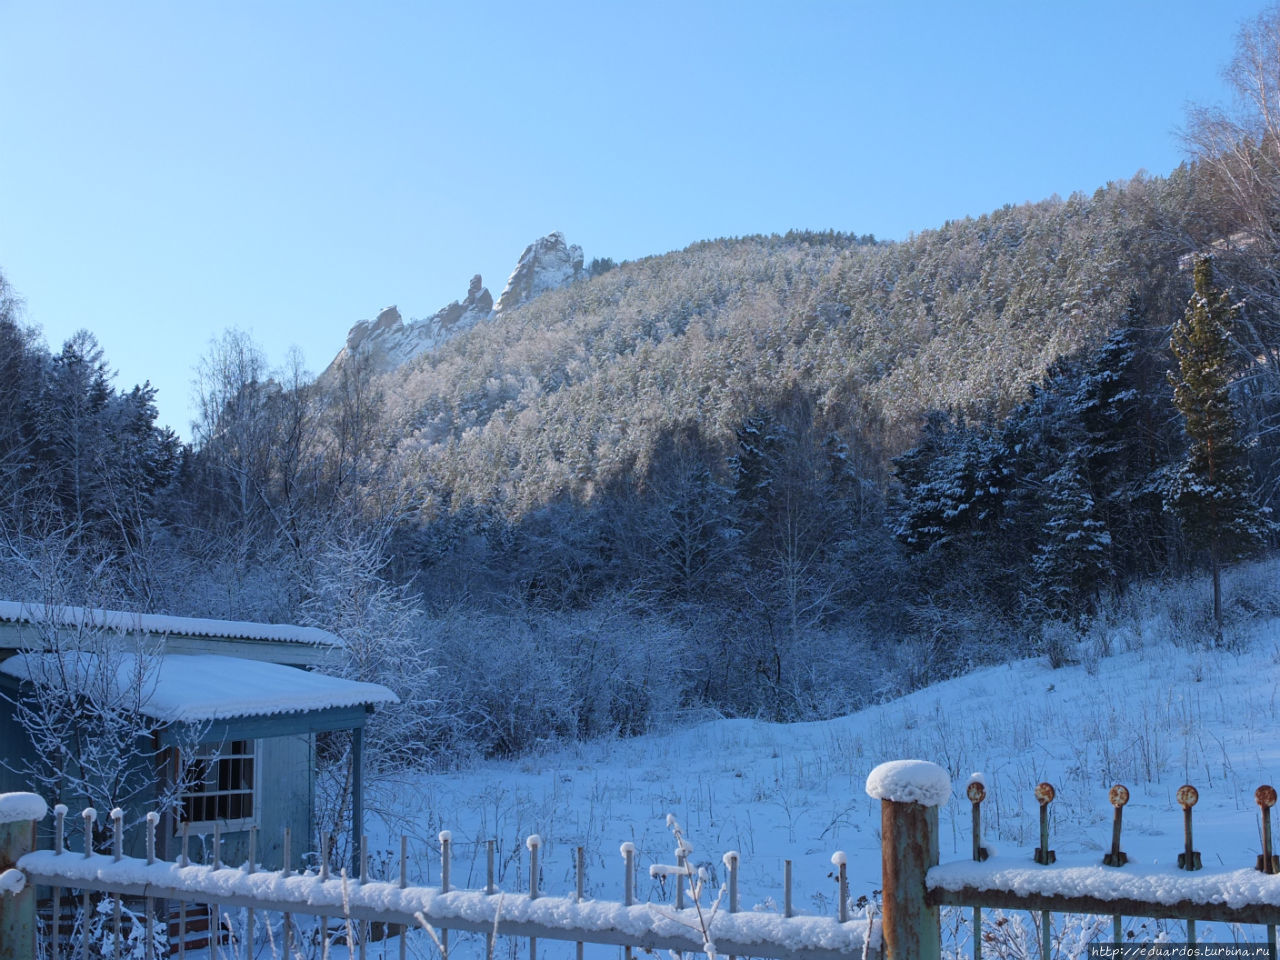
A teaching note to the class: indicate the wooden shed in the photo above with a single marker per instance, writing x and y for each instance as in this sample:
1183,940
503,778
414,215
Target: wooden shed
230,702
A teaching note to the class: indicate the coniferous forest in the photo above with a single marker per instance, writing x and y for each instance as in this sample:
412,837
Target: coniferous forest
775,476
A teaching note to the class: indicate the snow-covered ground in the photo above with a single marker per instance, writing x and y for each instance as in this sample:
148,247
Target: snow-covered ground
1154,714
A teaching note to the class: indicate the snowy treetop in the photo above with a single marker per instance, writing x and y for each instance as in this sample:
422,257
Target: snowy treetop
13,611
185,689
910,781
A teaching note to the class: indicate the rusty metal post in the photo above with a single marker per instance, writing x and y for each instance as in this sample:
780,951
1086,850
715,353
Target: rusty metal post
909,847
1265,797
910,925
1118,796
977,792
1188,859
18,817
1045,795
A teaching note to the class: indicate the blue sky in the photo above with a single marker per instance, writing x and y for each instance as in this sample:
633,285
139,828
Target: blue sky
168,170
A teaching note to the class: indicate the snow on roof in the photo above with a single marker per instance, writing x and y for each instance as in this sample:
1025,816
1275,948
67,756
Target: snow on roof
178,688
910,781
15,807
61,615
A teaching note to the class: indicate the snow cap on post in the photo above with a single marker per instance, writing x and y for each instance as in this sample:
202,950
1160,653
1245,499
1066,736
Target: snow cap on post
13,882
910,781
16,807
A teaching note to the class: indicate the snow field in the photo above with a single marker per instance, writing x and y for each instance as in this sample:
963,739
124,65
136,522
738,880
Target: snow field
1147,711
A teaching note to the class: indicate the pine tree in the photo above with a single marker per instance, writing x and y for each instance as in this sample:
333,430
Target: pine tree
1212,493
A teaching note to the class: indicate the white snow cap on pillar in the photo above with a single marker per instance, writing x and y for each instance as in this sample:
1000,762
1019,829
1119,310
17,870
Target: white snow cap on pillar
15,807
910,781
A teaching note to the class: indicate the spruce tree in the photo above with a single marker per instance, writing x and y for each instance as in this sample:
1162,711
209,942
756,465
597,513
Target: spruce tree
1212,492
1072,561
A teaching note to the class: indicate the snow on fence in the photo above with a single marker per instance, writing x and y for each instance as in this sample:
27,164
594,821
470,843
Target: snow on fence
1113,887
914,888
356,906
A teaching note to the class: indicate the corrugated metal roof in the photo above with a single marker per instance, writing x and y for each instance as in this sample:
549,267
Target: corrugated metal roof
159,625
178,688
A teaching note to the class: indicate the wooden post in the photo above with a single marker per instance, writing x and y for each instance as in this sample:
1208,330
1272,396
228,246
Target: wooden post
910,792
19,813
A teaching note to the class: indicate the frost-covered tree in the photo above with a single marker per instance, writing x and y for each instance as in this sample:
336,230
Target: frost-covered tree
376,620
1072,560
1212,492
82,701
685,525
84,689
953,485
1122,402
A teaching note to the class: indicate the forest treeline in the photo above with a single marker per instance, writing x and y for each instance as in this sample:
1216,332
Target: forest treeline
774,476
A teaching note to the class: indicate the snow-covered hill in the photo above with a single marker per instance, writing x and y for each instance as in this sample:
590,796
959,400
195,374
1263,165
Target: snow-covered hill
1143,708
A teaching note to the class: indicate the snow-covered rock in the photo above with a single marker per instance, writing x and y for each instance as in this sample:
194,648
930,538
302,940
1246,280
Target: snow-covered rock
910,781
546,264
465,314
389,342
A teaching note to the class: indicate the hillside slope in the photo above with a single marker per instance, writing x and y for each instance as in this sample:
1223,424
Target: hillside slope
579,385
1141,708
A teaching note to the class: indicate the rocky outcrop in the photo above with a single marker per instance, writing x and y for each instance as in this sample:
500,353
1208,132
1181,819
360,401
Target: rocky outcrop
389,342
545,265
476,307
388,319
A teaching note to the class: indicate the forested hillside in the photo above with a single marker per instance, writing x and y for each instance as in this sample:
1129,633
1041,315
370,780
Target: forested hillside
778,476
578,387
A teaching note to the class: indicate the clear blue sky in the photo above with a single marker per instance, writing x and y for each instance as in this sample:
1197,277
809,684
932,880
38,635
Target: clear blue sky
171,169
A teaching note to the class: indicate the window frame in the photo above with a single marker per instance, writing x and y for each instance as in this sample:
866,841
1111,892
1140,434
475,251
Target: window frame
220,753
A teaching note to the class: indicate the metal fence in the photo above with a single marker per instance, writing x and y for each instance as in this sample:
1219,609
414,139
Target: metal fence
290,913
349,912
1113,886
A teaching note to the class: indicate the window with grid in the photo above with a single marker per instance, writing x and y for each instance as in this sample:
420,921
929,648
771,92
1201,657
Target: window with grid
221,784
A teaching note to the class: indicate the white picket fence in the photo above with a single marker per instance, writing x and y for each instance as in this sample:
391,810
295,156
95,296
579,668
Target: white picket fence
700,921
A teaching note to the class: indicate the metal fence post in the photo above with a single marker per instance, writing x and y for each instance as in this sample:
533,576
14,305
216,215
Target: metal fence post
910,792
19,813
